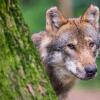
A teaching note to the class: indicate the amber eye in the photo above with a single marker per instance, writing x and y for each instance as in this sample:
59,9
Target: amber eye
71,46
91,44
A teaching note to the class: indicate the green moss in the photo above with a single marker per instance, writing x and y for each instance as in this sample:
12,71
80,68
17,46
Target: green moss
21,71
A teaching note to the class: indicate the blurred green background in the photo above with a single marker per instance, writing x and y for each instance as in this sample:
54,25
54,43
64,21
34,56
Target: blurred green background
34,15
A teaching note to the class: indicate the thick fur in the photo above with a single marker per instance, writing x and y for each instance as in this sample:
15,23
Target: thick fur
68,46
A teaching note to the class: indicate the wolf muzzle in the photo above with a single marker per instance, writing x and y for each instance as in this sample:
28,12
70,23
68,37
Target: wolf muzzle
90,70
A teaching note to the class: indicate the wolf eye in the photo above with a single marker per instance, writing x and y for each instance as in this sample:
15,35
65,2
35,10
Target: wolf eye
71,46
91,44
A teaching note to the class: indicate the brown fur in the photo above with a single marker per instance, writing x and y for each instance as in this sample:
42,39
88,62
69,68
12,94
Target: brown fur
68,47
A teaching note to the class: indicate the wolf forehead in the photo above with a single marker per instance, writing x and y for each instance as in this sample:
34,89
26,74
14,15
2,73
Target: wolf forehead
75,32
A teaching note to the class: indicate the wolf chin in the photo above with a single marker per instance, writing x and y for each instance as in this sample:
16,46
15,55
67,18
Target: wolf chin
69,47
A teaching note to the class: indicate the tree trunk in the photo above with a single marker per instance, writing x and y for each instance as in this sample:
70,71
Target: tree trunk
22,76
66,7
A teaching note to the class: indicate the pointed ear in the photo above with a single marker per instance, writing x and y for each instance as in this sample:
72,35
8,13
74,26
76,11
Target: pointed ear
92,16
36,38
54,19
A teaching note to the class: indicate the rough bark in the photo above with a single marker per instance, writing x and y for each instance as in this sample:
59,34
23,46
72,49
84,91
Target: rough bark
22,76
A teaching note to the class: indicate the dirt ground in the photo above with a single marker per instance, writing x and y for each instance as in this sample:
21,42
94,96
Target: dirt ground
84,95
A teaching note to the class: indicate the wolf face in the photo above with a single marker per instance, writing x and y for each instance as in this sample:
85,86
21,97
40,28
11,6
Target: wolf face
70,46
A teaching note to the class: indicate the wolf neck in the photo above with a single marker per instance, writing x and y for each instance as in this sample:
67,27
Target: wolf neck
61,80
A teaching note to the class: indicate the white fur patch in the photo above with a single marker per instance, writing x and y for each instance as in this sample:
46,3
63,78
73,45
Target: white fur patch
71,66
76,68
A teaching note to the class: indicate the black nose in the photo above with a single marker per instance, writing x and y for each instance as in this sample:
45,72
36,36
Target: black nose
90,70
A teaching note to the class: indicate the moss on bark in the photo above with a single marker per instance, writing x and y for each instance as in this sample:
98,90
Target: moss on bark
22,76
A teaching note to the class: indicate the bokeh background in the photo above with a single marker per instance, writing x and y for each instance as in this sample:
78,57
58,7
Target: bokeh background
34,15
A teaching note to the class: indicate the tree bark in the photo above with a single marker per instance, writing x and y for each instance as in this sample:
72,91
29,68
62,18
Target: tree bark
22,76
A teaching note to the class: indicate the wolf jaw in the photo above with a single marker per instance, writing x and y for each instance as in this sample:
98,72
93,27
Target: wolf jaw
68,47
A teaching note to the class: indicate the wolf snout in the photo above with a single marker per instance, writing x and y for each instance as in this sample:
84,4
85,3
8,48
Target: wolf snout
90,70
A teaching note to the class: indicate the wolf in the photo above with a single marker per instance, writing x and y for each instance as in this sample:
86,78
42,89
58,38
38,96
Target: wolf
68,48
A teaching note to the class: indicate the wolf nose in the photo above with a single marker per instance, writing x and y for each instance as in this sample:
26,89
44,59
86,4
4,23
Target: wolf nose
90,70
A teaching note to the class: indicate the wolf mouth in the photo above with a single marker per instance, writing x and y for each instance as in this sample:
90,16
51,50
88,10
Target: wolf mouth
84,76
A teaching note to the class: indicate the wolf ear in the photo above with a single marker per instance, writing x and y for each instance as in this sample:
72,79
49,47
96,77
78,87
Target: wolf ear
54,19
92,16
36,38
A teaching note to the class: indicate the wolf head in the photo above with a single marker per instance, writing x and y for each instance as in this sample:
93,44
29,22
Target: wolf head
70,44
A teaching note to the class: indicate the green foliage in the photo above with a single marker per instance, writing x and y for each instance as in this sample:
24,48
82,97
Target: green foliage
34,14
